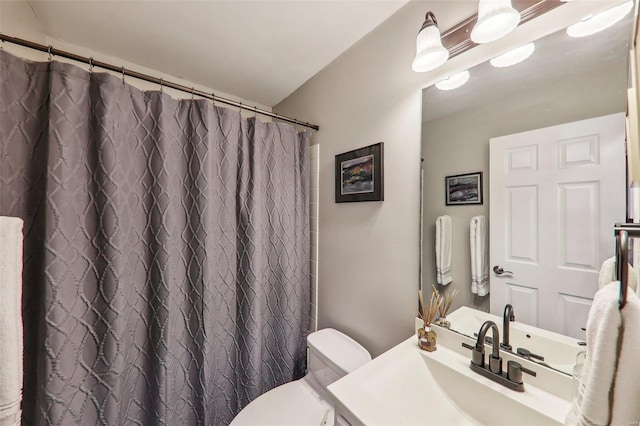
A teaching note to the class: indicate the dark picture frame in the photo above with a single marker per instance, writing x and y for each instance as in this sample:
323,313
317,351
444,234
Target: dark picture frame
360,174
463,189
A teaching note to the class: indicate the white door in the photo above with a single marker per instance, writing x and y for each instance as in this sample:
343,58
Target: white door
555,195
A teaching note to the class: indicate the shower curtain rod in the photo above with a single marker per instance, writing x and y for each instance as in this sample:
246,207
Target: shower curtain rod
126,72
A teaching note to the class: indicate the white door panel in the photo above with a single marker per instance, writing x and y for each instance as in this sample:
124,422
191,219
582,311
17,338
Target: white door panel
555,196
526,299
522,224
572,310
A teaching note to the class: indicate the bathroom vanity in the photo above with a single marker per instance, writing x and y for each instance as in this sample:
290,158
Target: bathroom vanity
408,386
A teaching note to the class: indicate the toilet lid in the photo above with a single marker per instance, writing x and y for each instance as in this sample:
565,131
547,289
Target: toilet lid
338,349
294,404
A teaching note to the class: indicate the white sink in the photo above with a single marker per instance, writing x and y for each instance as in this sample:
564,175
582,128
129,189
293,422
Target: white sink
559,351
407,386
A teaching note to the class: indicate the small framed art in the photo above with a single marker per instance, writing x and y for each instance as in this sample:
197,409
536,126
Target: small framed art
463,189
360,174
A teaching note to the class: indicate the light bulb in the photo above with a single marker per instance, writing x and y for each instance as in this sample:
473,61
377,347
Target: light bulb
454,81
601,21
430,53
514,56
496,18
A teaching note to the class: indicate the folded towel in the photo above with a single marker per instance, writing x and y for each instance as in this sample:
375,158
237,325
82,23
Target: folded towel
10,320
608,274
609,391
443,250
626,393
592,405
473,234
479,256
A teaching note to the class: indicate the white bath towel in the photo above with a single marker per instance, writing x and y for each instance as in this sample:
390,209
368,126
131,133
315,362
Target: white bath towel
613,345
592,406
626,394
10,320
608,274
443,250
479,255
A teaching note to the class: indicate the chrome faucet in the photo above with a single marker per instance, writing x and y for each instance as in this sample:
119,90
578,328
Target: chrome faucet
506,318
512,378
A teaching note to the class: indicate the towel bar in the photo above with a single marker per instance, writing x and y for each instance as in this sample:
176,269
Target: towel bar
622,233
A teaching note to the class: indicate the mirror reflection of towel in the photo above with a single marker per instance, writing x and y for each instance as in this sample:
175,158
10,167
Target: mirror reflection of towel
443,250
479,256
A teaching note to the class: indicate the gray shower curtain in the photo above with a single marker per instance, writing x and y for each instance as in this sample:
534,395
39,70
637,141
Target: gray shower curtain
166,264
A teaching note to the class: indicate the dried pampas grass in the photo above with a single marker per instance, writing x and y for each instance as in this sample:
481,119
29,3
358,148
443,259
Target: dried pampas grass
447,300
429,314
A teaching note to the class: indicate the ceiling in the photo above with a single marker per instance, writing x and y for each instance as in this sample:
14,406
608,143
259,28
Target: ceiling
255,50
259,50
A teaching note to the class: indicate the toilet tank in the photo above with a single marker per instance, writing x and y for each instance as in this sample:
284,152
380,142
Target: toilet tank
333,355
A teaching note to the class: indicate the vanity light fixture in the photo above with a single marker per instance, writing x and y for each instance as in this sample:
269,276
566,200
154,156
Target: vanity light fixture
496,19
430,53
514,56
454,81
601,21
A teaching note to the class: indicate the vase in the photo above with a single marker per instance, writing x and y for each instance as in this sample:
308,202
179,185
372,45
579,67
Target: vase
427,339
442,322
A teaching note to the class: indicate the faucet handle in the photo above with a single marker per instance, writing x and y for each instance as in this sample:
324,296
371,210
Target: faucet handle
525,353
477,357
529,372
477,353
514,371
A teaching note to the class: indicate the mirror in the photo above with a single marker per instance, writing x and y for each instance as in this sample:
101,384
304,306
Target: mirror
565,80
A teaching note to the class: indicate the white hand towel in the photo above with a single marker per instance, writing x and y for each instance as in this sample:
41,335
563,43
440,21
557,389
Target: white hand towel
479,256
10,320
592,407
472,246
443,250
608,274
626,393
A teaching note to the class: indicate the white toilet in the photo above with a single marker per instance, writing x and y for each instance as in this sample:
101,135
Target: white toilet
331,356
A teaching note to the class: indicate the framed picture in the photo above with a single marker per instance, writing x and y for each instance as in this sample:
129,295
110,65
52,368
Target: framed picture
463,189
360,174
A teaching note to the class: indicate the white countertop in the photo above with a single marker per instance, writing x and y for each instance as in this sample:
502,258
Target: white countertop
408,386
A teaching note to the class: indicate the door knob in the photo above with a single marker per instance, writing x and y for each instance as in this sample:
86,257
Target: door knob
499,271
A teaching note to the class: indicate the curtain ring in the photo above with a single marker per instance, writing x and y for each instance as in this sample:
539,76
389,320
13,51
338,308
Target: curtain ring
161,84
255,112
123,74
91,65
192,90
213,98
49,52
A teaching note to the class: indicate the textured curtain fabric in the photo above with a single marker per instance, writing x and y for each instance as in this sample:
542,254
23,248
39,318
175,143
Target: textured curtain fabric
166,266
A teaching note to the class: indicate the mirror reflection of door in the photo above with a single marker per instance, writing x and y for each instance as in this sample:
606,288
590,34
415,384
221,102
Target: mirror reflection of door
565,80
555,194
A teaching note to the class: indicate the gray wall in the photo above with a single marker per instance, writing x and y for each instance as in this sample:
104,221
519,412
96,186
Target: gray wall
459,143
368,252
